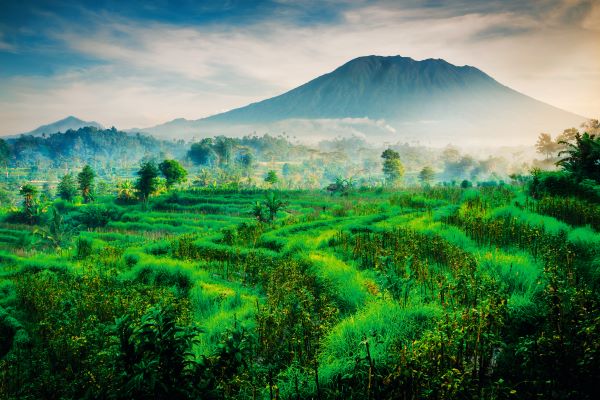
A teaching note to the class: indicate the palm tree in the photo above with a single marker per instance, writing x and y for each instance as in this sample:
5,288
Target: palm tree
57,232
583,157
273,204
126,191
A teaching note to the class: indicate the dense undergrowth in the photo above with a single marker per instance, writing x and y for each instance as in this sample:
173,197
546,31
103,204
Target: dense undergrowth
423,293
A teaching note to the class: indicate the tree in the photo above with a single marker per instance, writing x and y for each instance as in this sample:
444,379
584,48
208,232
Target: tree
568,135
173,172
245,159
273,204
86,183
155,358
259,212
393,170
583,159
426,176
591,126
147,182
202,153
126,191
545,145
271,177
224,148
341,186
57,233
67,187
4,155
28,192
459,167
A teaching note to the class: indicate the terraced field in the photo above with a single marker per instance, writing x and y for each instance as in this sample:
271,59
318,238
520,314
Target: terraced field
434,293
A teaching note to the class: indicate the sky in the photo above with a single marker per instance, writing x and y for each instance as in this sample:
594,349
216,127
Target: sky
140,63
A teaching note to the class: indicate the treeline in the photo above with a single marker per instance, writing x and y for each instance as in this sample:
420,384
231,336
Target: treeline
113,152
87,145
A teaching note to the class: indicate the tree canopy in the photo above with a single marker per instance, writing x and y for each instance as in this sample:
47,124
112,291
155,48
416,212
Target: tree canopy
583,157
393,170
67,187
147,182
173,172
86,183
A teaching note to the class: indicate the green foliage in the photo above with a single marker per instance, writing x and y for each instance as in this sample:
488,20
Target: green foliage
154,357
83,248
583,157
31,208
173,172
341,186
426,175
97,215
4,151
85,179
126,192
433,292
465,184
56,232
202,153
147,182
271,177
393,170
67,188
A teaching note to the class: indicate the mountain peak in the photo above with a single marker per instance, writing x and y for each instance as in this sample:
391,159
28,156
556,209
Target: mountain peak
378,87
404,97
63,125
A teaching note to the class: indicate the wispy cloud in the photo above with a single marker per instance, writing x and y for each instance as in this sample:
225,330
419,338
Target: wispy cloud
149,71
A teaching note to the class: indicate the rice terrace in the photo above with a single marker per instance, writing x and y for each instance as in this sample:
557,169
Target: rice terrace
392,229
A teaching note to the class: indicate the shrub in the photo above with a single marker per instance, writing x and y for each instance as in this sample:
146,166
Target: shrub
84,248
560,183
97,215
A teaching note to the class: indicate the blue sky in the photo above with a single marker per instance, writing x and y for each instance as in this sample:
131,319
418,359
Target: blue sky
137,64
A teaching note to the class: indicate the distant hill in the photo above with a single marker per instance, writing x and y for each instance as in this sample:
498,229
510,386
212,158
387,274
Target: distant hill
91,145
393,98
63,125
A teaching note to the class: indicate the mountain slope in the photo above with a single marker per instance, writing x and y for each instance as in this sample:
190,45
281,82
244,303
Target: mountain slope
63,125
374,87
425,99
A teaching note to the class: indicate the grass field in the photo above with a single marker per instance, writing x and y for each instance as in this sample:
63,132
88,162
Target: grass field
415,293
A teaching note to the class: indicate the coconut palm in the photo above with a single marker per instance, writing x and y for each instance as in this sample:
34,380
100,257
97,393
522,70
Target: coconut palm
583,157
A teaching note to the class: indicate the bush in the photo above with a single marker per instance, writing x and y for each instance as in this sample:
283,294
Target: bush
161,274
559,183
84,248
466,184
98,216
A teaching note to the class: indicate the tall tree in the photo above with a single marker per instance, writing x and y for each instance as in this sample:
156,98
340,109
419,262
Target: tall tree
4,155
202,153
591,126
86,183
568,135
125,191
67,187
224,147
271,177
173,172
29,192
393,170
545,145
583,157
426,175
147,182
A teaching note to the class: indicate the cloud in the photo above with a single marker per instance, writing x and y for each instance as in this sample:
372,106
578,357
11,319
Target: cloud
148,71
5,46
